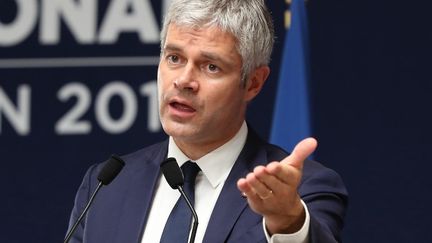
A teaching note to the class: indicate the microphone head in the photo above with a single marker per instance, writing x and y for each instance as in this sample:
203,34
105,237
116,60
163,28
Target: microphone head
111,169
172,173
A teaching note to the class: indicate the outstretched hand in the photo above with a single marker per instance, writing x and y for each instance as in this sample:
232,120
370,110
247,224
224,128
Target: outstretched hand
271,190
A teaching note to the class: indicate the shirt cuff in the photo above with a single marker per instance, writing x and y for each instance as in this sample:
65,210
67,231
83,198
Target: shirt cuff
301,236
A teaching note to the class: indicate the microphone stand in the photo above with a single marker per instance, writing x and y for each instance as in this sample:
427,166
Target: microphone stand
195,216
72,230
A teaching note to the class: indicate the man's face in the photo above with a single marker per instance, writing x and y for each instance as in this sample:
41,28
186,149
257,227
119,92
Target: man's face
201,98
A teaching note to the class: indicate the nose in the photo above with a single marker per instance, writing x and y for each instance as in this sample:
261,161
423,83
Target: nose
187,79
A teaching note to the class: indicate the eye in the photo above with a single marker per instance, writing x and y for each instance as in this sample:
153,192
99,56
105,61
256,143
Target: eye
213,68
173,59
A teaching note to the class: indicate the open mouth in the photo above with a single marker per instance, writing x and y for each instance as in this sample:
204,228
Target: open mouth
181,107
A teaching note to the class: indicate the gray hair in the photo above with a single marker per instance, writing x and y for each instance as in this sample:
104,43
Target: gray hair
249,21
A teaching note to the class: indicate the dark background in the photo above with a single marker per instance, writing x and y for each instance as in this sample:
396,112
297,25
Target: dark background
371,113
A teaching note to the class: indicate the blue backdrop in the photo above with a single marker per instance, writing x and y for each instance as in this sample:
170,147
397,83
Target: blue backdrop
77,83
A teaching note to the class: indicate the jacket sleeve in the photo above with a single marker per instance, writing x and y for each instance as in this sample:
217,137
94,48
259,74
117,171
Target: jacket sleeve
326,197
82,196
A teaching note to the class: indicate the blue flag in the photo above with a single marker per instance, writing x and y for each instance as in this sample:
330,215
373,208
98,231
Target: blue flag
291,113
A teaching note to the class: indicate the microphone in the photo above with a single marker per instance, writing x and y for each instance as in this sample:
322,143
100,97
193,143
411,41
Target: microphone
110,170
175,179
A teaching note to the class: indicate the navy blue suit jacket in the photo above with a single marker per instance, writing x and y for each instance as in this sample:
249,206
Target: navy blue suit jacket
120,210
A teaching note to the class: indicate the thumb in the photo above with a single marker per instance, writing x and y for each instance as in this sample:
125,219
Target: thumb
301,151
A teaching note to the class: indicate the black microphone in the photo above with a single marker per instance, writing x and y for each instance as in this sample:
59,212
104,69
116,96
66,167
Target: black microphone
175,179
110,170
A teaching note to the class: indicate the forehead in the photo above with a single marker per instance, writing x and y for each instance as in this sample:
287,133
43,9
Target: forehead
209,38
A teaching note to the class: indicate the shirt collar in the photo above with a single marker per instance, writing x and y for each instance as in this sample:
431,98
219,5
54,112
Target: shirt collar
217,164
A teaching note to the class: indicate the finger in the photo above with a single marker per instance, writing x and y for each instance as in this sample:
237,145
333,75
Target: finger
247,190
271,181
258,186
244,187
281,174
301,151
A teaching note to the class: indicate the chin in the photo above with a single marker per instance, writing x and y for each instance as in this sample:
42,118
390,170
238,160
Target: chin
178,130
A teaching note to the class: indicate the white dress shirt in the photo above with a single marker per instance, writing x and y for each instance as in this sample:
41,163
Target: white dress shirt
215,167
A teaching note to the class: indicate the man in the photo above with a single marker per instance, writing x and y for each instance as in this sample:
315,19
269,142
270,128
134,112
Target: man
214,61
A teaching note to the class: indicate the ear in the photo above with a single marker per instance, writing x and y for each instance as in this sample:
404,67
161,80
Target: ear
256,81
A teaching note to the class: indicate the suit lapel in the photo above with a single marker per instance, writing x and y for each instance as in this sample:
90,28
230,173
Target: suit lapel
230,203
139,196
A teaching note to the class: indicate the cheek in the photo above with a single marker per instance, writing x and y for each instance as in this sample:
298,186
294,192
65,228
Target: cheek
160,93
162,85
226,103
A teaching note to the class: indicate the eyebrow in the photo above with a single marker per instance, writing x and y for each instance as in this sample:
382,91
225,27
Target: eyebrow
214,57
209,55
221,59
171,47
